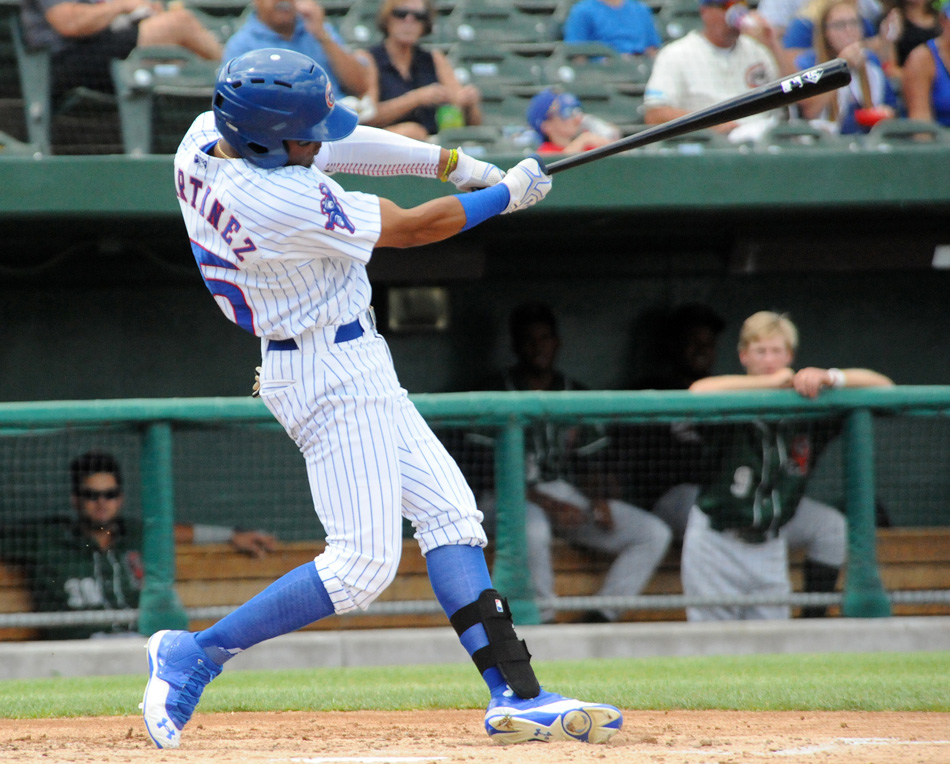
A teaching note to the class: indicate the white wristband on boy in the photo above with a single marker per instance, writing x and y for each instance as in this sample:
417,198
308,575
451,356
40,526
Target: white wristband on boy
837,377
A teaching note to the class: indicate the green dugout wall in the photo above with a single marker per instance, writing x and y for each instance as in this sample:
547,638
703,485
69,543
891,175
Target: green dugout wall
100,298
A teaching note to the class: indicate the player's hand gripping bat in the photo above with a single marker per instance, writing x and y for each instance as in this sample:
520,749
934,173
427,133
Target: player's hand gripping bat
783,92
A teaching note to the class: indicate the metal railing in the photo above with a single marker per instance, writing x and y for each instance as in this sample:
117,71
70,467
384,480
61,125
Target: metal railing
509,413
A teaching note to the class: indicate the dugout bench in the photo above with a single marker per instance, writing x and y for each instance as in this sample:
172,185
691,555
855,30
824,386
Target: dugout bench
910,559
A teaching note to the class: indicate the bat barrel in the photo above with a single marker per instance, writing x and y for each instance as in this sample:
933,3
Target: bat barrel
788,90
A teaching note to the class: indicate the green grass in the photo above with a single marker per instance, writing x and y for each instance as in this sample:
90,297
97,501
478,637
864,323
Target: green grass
838,682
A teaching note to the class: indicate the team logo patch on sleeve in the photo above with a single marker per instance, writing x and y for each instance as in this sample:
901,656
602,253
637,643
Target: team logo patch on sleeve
330,207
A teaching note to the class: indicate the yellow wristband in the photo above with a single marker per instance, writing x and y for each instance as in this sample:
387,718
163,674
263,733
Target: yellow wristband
450,165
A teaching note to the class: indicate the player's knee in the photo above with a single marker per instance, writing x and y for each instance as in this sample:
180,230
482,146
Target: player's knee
364,579
659,534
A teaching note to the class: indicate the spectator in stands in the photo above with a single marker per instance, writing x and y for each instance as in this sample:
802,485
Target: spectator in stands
301,25
800,35
721,60
905,25
869,97
927,76
740,527
562,125
415,91
85,36
92,560
625,25
567,493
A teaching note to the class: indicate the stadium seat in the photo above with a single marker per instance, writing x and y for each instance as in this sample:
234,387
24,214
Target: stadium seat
906,132
597,63
161,89
506,105
33,65
676,18
483,63
218,7
695,142
358,26
499,22
222,25
796,134
478,140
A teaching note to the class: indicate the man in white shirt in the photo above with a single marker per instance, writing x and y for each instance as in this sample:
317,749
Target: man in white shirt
732,53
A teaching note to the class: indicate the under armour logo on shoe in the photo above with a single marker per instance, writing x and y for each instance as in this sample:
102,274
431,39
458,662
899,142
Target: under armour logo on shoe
169,728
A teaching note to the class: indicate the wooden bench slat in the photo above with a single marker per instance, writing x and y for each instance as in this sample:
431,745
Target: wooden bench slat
215,575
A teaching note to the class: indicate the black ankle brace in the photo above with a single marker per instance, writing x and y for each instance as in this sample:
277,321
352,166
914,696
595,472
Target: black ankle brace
504,650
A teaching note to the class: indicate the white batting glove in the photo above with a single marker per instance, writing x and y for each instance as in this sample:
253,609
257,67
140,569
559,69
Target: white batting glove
527,183
471,173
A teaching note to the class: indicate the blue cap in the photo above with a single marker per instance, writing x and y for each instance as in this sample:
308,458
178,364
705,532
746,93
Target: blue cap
540,106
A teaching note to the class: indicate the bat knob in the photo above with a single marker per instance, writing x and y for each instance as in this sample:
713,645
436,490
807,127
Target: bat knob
540,161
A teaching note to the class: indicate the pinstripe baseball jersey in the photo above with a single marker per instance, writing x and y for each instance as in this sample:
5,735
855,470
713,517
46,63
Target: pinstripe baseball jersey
282,251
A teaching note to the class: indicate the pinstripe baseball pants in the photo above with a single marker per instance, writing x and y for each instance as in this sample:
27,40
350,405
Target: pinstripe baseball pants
371,460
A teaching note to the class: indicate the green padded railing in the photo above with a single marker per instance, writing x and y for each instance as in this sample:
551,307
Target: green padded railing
864,595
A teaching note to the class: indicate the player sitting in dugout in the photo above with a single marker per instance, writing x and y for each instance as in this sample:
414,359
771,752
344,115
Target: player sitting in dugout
92,559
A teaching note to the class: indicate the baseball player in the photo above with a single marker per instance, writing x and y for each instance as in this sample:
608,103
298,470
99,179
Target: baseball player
283,248
744,520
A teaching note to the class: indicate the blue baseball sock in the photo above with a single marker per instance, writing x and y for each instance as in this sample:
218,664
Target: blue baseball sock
294,600
458,575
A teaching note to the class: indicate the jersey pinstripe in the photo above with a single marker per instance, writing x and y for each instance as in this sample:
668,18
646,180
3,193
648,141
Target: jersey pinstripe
295,255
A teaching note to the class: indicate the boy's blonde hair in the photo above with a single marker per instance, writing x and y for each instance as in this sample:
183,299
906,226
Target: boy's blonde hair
765,324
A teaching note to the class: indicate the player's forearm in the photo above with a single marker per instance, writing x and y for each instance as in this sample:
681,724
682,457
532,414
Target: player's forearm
428,223
441,218
730,382
865,378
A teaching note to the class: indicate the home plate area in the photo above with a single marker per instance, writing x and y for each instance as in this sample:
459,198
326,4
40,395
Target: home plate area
458,737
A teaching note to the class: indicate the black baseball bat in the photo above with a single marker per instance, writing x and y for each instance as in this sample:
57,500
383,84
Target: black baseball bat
804,84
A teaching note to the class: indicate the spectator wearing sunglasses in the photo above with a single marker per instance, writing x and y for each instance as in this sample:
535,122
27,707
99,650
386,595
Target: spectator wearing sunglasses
301,26
411,83
562,125
92,560
734,51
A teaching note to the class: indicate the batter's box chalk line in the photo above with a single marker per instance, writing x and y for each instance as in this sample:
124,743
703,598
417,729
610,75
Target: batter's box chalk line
855,742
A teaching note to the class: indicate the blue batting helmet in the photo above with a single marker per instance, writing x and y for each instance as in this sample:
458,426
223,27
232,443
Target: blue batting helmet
271,95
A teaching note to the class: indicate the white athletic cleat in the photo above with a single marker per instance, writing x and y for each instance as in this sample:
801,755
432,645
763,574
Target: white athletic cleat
511,719
178,671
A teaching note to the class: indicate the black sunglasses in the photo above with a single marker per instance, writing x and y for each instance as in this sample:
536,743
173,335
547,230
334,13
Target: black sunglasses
87,494
405,13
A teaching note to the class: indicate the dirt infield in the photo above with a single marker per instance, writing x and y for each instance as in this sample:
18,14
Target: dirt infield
673,737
